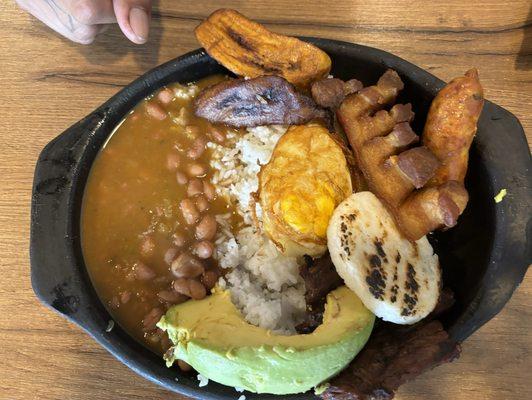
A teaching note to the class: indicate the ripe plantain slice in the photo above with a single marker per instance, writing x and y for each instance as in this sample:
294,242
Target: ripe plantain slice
249,49
398,280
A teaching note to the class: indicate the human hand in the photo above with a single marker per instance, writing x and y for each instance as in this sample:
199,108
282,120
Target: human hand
81,20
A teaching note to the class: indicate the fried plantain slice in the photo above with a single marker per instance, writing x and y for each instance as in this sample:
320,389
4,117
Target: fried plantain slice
249,49
267,100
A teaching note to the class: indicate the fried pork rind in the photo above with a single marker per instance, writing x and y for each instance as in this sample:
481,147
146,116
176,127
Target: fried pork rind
424,187
248,49
306,178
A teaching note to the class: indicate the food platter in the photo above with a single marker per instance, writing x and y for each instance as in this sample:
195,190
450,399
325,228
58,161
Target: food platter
476,257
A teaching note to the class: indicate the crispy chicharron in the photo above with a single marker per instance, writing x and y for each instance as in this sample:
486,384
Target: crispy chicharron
423,186
249,49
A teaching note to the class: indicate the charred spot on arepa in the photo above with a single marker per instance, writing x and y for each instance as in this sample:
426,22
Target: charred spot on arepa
411,283
375,261
409,305
378,246
376,283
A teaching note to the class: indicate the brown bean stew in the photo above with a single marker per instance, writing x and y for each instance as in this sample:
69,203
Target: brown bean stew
148,218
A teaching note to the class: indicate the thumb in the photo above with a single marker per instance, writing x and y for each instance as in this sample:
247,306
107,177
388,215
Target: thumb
133,17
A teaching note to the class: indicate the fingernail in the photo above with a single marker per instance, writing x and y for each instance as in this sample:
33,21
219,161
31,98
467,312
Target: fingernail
140,23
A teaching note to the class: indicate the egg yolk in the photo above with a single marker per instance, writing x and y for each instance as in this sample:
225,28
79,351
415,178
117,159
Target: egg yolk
308,214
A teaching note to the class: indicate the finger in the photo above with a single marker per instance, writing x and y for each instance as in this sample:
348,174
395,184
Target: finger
85,34
133,17
92,12
56,15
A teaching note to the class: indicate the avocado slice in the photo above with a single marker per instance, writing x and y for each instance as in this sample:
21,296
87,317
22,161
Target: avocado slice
213,337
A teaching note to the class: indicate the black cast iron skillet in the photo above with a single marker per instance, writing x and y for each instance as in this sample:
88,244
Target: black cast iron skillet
484,258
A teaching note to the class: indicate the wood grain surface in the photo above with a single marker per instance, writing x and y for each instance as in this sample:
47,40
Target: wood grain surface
48,83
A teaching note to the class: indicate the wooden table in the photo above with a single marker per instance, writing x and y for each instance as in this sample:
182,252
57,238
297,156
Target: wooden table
48,83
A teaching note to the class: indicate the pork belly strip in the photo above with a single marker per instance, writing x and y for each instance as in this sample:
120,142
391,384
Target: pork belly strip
330,93
396,174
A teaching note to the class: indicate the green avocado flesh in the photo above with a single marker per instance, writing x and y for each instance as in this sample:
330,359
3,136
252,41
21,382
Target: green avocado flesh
213,337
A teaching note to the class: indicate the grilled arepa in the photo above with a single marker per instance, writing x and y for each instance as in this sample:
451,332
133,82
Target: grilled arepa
306,178
396,279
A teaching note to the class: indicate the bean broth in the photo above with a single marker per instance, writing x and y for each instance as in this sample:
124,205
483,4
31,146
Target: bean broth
147,210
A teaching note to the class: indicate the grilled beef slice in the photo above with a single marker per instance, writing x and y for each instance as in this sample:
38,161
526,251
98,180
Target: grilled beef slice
394,355
266,100
320,278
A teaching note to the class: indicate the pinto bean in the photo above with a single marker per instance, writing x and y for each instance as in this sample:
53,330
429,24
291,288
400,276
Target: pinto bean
154,337
172,161
155,110
125,296
147,246
165,342
197,290
143,272
181,177
217,135
150,320
171,296
204,249
166,96
209,279
202,204
190,287
195,186
170,255
185,367
197,148
196,169
189,211
209,190
206,228
114,303
187,266
179,239
192,131
180,285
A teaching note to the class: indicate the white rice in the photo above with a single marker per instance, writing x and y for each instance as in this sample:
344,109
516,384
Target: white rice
265,285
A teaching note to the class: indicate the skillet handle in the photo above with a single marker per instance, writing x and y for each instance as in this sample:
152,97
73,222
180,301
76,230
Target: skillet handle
54,244
507,157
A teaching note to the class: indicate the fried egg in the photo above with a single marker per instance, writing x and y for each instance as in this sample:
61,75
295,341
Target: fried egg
306,178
